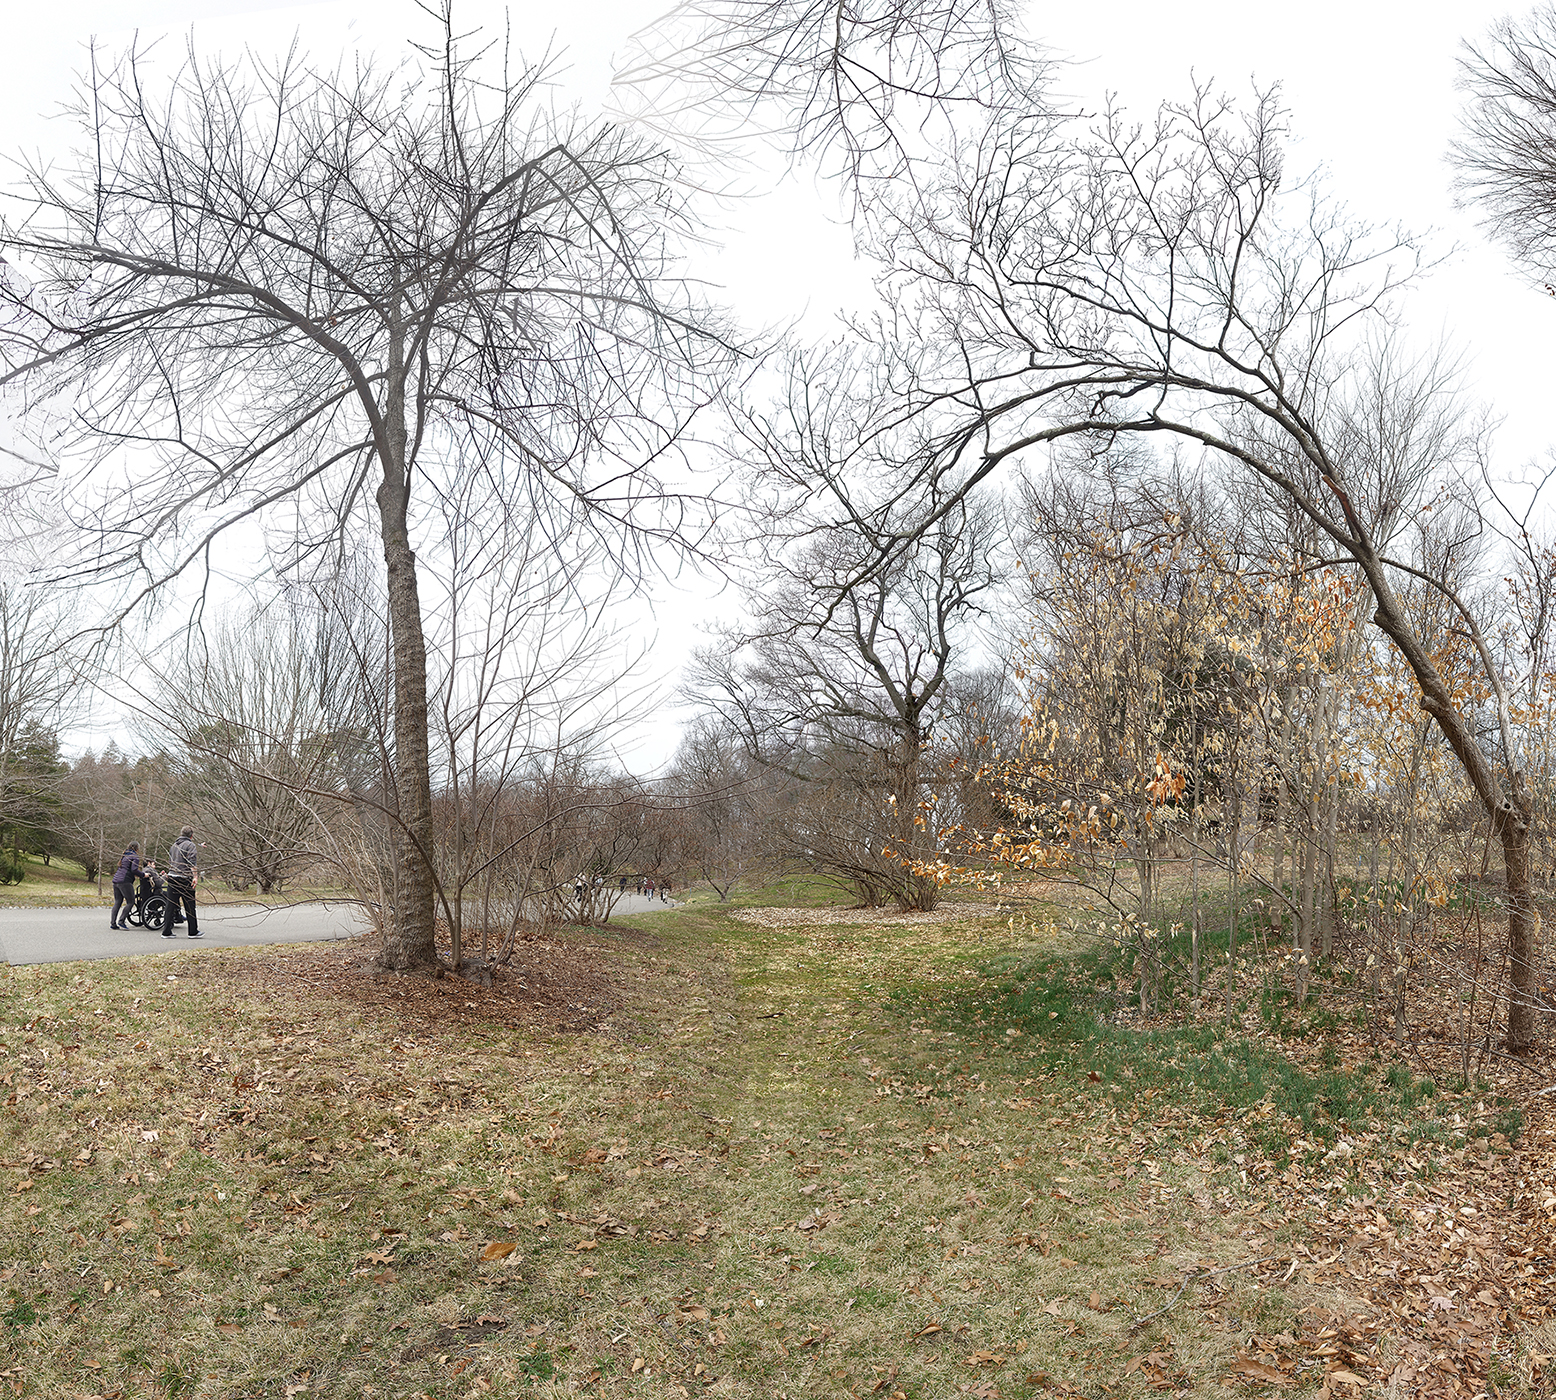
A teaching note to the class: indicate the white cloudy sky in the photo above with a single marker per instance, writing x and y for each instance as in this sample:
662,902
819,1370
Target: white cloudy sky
1369,86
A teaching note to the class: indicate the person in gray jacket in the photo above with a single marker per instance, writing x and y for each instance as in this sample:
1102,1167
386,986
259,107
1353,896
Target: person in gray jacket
182,876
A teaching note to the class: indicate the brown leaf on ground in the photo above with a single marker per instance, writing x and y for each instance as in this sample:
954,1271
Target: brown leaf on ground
566,981
1260,1371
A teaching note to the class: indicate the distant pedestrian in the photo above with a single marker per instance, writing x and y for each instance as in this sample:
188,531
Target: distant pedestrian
124,879
182,877
664,891
623,884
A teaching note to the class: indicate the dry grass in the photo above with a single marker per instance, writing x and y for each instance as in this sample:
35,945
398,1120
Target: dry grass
724,1165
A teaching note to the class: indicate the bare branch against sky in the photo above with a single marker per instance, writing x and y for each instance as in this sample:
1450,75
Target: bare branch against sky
278,292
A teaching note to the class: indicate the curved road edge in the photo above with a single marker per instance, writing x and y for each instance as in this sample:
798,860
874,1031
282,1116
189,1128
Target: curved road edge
31,936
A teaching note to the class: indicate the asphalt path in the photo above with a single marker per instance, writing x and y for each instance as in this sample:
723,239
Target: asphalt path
69,935
634,903
72,935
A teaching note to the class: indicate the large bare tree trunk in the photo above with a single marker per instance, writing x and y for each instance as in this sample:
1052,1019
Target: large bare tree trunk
409,941
914,891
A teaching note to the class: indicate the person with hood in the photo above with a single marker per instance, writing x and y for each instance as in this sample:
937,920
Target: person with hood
182,877
124,879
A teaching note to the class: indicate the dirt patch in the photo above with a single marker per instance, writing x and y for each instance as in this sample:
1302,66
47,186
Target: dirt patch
570,982
460,1336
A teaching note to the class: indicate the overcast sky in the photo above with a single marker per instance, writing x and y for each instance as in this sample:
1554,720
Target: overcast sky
1369,87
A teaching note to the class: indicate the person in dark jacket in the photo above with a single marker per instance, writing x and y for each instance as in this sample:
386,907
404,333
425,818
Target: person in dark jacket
182,876
150,883
124,879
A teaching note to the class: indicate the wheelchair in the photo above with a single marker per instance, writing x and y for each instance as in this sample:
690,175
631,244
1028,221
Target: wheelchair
149,909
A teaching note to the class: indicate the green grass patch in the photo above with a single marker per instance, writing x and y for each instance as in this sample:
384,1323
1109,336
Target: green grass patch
1062,1011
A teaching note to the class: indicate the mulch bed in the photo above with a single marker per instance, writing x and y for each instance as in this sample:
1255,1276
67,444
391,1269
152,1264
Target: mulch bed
567,982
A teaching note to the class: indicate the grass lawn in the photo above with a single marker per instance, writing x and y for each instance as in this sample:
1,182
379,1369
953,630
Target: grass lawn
61,883
788,1154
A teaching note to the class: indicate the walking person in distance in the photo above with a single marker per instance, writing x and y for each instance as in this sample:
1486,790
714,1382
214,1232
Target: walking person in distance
124,886
181,880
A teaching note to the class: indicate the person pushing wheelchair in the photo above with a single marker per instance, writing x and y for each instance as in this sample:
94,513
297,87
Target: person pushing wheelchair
124,879
182,877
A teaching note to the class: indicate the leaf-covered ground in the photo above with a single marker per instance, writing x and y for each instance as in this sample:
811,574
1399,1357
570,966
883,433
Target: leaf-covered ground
728,1157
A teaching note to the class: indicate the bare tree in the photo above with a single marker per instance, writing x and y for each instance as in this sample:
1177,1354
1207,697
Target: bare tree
838,685
290,293
96,815
1506,153
567,831
721,827
526,671
1168,294
1166,277
845,82
246,707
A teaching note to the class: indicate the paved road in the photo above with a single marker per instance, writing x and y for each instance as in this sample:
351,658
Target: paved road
70,935
66,935
633,903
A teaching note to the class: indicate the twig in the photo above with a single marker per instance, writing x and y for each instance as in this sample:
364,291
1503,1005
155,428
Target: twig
1194,1276
1503,1055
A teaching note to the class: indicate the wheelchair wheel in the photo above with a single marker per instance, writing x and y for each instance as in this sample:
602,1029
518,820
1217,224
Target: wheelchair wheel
153,912
135,913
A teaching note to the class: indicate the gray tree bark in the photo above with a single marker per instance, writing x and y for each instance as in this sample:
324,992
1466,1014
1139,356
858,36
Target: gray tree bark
409,937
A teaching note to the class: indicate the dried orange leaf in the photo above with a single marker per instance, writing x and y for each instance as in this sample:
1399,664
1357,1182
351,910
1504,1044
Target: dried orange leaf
1247,1366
